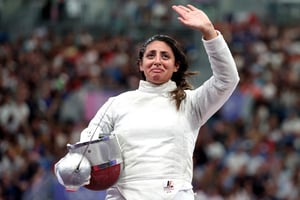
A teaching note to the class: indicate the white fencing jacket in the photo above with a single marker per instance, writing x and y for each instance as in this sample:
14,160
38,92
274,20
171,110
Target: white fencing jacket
157,141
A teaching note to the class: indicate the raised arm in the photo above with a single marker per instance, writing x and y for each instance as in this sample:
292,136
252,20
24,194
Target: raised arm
211,96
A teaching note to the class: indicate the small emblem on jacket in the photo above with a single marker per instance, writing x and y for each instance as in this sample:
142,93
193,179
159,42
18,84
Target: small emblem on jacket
169,186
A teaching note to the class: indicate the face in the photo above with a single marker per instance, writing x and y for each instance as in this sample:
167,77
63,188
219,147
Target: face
158,62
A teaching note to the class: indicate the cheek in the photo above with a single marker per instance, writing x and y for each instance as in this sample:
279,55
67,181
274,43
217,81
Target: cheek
145,65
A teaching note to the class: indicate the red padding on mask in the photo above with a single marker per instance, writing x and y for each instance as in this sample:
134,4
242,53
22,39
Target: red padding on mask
102,179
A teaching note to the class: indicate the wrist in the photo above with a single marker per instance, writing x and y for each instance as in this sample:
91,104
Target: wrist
208,35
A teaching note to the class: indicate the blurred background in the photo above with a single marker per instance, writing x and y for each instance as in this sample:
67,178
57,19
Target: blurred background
61,59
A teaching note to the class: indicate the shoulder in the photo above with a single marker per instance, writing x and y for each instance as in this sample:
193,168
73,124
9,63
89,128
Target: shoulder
124,96
191,92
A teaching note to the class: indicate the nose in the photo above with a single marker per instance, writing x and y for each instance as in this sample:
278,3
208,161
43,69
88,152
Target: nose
157,61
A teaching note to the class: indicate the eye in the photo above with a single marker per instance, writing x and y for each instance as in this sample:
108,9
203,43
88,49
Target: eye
150,55
165,56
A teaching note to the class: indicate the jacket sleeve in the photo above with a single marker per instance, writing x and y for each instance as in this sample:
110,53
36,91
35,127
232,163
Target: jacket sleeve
213,93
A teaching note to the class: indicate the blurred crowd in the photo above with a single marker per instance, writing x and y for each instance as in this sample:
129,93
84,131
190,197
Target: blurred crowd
48,86
52,84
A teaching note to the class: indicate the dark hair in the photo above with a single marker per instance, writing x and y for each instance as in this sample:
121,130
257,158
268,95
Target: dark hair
179,77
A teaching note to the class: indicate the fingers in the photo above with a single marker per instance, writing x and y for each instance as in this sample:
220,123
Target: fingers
183,11
191,7
184,8
180,9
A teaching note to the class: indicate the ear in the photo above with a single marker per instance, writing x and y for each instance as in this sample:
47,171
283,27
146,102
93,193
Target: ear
176,67
141,67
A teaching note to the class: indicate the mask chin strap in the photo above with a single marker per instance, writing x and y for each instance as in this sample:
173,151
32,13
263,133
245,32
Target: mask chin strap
91,138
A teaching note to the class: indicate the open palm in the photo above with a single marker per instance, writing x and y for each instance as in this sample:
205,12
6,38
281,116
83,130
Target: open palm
195,18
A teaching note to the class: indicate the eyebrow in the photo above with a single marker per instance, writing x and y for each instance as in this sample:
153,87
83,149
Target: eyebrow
152,51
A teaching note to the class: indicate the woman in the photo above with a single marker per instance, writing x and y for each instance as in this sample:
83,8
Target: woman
157,124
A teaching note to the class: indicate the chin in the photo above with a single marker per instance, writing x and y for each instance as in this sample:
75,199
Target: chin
157,82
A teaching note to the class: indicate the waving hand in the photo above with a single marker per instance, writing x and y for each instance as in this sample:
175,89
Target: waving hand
195,18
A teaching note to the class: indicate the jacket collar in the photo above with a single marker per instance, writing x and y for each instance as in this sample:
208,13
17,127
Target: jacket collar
167,87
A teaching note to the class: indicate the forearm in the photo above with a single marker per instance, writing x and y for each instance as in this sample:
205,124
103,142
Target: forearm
221,60
212,95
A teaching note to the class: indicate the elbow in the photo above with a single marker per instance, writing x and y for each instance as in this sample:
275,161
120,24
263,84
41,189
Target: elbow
236,80
230,84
